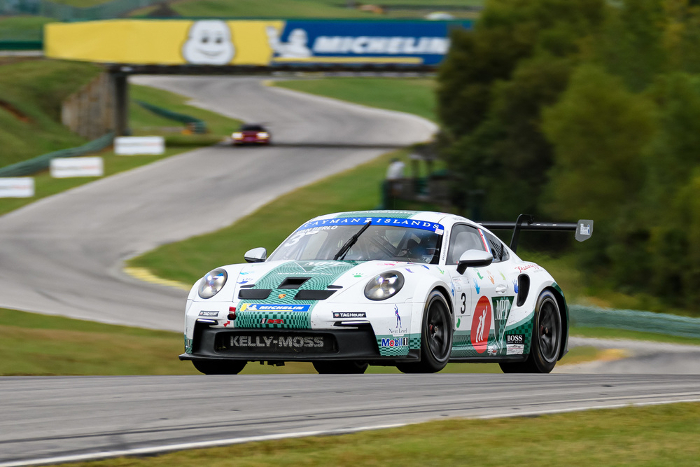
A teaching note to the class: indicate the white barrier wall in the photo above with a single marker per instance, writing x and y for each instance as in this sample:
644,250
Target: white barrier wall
77,167
139,145
22,187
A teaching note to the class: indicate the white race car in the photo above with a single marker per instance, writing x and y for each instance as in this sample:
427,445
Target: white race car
414,290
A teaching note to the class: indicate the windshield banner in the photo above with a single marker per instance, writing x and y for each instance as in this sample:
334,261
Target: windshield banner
330,224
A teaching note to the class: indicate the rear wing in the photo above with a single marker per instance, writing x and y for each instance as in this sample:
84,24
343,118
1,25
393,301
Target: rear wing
583,228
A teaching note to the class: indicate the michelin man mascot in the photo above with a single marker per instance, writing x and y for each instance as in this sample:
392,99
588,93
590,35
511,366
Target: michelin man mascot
209,43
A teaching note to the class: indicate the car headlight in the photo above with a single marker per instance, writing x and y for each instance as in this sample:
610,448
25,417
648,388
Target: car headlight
385,285
212,283
237,135
262,134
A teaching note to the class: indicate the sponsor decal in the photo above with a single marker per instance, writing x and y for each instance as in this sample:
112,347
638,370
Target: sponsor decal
271,321
409,270
398,330
476,286
243,282
479,275
426,267
504,277
282,295
282,341
209,43
490,277
227,324
396,342
208,313
275,307
441,271
481,325
515,339
349,314
515,285
492,350
408,223
501,311
529,266
515,349
585,229
357,274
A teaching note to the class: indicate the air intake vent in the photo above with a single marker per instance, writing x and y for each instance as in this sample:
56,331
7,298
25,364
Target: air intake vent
254,294
313,294
293,282
523,288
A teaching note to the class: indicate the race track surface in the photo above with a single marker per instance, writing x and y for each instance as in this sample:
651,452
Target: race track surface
64,416
63,255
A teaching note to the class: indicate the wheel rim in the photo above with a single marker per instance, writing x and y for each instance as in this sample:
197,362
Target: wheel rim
438,329
549,331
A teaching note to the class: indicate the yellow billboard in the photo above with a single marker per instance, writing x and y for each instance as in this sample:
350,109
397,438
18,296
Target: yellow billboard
162,42
256,43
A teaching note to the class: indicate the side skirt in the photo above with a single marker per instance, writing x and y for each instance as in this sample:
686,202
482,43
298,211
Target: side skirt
504,359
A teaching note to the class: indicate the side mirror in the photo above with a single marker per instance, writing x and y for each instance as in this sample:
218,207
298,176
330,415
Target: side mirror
256,255
473,259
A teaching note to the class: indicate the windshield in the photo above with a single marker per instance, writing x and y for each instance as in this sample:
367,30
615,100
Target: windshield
416,241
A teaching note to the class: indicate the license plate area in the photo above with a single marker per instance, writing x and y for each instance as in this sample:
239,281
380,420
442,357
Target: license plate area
252,342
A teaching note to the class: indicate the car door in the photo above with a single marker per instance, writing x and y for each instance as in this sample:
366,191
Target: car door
473,293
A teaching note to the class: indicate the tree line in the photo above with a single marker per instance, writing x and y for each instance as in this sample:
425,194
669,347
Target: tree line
571,109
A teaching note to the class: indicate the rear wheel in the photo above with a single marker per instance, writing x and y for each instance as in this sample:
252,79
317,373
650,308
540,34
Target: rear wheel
436,337
340,367
546,340
209,367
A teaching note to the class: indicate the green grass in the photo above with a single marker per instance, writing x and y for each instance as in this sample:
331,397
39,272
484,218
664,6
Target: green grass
23,28
35,89
142,122
639,436
411,95
35,344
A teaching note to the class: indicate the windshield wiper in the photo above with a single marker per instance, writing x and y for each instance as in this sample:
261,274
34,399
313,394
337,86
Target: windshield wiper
351,241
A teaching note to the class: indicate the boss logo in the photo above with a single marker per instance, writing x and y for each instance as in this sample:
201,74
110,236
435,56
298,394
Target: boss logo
515,339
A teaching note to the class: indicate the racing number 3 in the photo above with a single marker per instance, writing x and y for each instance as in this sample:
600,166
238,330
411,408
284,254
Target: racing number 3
464,304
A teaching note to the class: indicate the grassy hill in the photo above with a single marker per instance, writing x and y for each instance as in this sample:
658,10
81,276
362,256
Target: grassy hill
31,92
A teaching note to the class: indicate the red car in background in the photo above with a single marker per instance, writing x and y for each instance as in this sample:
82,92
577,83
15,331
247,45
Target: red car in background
251,134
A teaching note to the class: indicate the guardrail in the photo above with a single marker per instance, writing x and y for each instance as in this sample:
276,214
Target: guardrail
42,162
631,320
112,9
194,124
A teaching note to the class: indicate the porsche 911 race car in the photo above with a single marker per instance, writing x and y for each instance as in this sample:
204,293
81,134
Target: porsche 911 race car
414,290
251,134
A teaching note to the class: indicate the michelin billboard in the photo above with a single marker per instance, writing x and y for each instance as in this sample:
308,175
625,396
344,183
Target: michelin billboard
257,43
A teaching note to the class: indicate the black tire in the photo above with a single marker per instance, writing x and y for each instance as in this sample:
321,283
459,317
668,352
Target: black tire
208,367
340,367
436,337
545,345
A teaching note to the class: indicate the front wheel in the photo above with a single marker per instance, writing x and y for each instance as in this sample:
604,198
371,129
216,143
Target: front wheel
340,367
208,367
546,340
436,337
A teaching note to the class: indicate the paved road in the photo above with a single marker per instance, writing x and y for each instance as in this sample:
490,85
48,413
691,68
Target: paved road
63,255
64,416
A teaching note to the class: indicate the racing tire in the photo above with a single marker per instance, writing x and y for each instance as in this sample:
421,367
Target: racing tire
545,345
340,367
207,367
436,337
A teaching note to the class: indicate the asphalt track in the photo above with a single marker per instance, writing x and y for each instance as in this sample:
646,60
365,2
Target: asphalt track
64,417
63,255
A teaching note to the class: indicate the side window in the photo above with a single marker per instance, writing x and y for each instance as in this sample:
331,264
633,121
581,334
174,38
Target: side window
497,248
463,238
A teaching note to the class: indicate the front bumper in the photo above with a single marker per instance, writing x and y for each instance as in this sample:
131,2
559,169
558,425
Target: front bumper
306,345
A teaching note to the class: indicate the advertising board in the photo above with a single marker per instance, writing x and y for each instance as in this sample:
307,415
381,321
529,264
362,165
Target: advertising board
139,145
77,167
21,187
251,42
